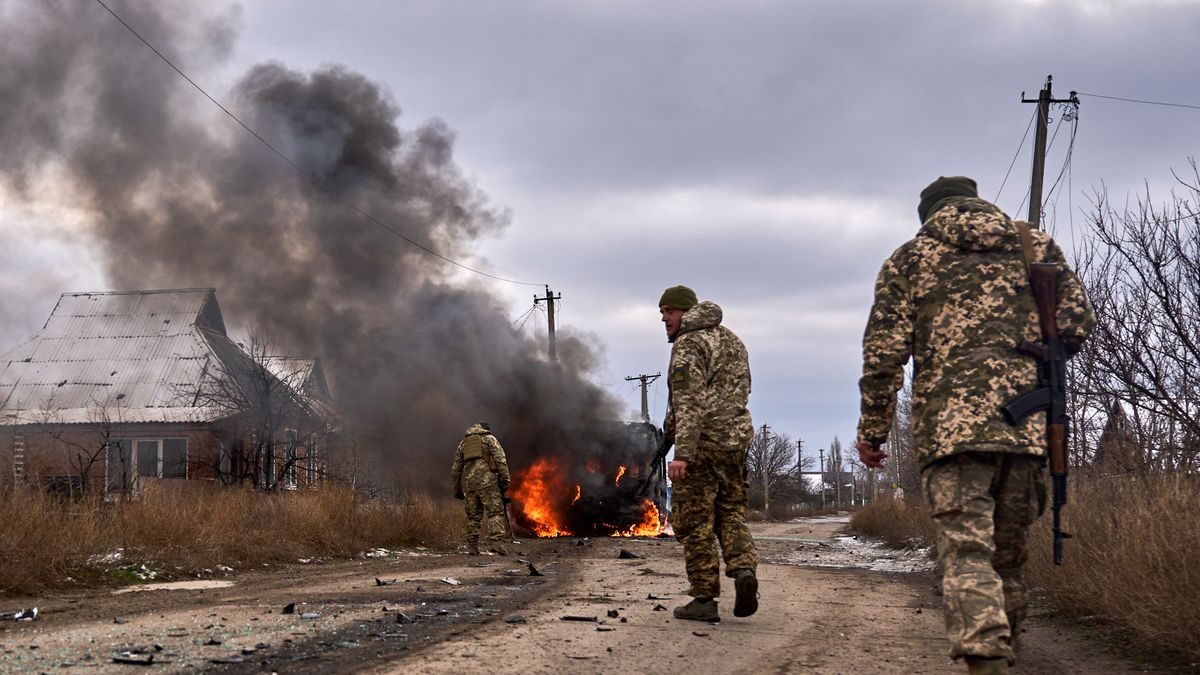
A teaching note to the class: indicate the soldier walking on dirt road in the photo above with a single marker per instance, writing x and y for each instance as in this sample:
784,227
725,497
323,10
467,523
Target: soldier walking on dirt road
707,419
480,474
957,300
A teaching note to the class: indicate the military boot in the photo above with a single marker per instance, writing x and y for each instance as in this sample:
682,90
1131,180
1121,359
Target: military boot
979,665
699,609
746,585
472,548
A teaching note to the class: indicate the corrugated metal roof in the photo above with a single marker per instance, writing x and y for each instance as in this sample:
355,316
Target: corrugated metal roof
126,356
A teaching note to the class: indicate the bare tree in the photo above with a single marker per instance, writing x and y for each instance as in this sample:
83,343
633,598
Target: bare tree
273,430
1141,267
770,460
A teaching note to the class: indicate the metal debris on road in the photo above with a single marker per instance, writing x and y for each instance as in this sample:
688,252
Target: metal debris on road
452,581
577,617
626,554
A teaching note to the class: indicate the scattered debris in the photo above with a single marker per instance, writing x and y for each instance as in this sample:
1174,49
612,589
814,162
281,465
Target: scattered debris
515,618
384,582
533,571
577,617
26,614
133,659
289,608
452,581
626,554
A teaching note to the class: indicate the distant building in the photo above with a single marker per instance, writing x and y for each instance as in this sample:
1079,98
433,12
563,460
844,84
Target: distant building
123,390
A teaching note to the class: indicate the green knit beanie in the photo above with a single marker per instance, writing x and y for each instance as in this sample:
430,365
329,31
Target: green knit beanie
678,297
945,187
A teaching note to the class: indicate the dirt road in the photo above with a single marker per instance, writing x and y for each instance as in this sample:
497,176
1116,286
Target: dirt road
830,604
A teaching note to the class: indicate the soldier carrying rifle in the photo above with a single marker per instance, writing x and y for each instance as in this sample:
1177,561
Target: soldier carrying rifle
957,300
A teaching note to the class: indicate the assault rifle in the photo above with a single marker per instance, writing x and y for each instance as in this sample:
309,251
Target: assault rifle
663,447
1051,394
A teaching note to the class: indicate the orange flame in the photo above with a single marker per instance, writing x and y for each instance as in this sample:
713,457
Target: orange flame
620,472
650,525
536,492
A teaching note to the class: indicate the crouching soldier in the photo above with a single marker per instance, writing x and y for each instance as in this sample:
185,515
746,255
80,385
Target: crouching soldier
480,475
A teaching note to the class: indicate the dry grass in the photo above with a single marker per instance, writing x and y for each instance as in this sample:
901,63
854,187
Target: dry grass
898,522
44,541
1134,561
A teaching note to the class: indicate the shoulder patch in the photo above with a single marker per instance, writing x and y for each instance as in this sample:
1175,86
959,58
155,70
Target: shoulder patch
679,377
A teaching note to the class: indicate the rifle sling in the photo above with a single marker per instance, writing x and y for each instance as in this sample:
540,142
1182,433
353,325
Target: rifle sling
1026,246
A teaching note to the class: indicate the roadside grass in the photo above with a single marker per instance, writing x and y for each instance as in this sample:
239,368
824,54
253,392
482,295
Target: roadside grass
1133,562
898,522
44,542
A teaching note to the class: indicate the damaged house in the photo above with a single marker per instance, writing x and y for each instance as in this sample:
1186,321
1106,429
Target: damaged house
122,391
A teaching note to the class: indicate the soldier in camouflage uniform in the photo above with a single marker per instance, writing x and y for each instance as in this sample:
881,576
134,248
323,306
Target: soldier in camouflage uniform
481,477
957,300
709,383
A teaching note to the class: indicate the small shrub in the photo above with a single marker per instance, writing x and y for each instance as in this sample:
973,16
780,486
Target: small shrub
898,522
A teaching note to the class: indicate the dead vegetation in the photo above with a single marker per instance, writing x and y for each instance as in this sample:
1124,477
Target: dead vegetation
47,542
898,522
1134,560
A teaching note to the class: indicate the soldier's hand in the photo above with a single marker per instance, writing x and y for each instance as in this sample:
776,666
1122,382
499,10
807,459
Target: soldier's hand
459,495
871,455
677,469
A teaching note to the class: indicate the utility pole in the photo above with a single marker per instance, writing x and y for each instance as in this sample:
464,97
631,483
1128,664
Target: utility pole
1044,99
645,380
821,452
549,300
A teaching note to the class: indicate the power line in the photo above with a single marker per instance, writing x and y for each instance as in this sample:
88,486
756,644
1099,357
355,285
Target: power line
1014,159
311,177
1138,100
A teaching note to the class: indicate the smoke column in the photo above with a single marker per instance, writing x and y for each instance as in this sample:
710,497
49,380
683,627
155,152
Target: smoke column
176,195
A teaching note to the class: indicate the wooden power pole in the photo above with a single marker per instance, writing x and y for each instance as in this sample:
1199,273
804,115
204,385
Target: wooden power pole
645,380
549,300
1044,99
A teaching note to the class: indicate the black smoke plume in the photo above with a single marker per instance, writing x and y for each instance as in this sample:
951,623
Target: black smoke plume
177,195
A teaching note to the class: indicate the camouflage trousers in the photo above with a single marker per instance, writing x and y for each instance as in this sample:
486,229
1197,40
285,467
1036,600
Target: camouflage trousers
709,507
485,502
983,504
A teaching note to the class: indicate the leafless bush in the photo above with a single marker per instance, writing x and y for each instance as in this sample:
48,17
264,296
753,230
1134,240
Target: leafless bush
1134,560
900,523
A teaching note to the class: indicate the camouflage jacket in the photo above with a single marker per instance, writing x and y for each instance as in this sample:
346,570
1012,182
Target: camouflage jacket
956,299
478,474
709,384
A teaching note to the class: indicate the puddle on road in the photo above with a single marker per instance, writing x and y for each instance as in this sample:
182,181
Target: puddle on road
198,585
847,552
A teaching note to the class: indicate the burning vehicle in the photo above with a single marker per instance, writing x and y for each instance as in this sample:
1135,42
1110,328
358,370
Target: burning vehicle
617,488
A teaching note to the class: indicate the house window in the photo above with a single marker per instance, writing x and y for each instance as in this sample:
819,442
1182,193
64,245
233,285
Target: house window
161,457
290,457
312,460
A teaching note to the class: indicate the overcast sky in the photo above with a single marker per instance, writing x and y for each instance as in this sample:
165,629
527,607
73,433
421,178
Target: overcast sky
767,154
